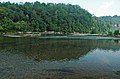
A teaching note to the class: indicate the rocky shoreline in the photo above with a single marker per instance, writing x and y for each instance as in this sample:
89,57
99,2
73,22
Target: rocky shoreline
30,34
38,34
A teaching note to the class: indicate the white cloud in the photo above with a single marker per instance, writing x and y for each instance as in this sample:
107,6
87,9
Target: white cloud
107,5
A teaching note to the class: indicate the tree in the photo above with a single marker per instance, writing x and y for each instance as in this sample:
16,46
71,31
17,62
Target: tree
110,33
7,24
1,29
116,32
21,26
39,17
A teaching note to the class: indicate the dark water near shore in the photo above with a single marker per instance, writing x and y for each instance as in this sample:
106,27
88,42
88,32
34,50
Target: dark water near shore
59,58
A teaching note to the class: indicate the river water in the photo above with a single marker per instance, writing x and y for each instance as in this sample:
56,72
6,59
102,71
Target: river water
60,57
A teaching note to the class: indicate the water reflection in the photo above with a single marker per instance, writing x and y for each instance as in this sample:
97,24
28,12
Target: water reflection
117,41
29,58
54,49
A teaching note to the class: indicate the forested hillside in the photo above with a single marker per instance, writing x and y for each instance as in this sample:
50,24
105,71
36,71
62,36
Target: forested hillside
40,17
111,19
114,21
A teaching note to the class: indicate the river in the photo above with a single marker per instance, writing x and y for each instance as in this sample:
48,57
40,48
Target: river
60,57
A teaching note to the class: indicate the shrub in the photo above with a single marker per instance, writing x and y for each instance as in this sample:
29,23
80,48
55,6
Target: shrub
116,32
110,33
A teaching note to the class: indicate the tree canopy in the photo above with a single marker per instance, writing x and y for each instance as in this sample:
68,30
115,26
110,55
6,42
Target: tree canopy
40,17
113,21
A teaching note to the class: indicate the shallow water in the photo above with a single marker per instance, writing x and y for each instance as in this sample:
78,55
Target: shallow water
59,58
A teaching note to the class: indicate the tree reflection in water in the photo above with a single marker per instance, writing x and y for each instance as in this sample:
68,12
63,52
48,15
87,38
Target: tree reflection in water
58,58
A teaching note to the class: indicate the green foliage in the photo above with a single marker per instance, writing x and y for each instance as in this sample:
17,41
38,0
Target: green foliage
94,31
21,26
6,24
39,17
1,29
110,33
116,32
112,21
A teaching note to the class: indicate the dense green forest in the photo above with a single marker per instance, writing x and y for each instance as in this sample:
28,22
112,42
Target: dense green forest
111,19
114,22
40,17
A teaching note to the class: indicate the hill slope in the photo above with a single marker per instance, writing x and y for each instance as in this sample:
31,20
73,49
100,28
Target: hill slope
39,17
114,21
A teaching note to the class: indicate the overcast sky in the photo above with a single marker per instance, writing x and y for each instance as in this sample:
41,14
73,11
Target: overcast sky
96,7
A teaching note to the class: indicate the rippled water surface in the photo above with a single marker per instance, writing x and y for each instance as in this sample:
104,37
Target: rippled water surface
59,58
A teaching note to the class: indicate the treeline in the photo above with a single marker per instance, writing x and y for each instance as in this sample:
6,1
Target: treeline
114,22
40,17
111,19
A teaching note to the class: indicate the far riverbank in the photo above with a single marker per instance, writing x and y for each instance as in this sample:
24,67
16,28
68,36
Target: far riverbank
40,34
34,34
